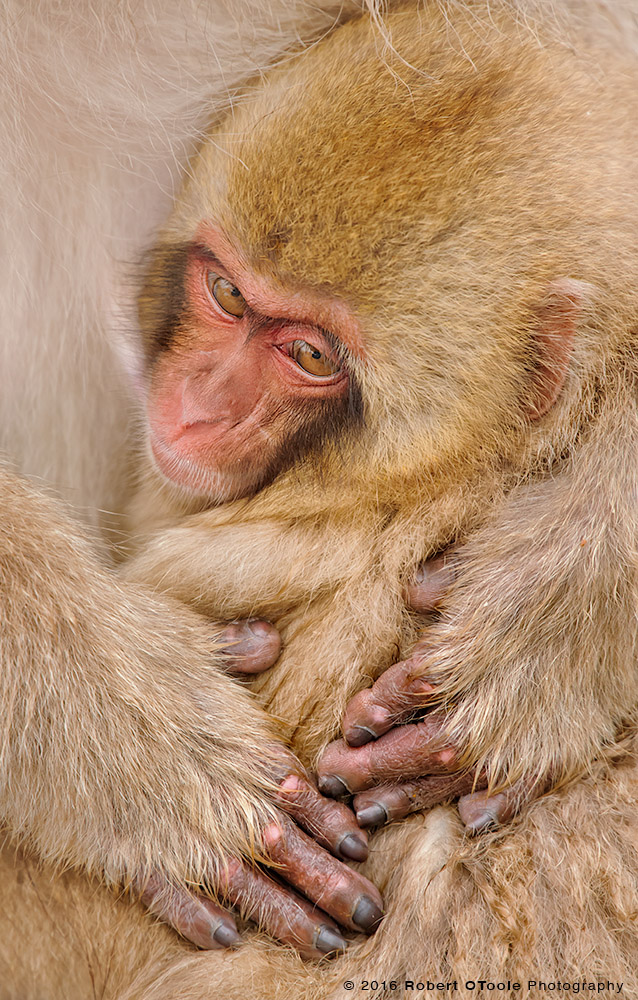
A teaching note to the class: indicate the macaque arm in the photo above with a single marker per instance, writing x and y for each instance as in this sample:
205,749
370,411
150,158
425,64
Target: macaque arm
532,662
125,752
226,570
120,739
538,640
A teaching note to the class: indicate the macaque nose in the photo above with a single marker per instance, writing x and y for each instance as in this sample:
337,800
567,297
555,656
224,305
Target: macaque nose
200,401
215,395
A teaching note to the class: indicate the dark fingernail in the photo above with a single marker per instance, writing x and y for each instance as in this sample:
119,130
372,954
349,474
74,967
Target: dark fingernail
367,914
482,822
330,785
353,847
359,735
373,815
260,628
227,936
328,940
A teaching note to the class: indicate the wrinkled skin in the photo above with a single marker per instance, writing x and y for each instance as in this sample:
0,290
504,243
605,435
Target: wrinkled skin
378,750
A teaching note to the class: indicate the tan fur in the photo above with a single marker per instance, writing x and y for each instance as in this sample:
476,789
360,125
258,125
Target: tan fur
446,448
557,896
442,194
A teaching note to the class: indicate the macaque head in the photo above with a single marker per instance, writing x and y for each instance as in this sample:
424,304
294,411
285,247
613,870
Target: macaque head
375,257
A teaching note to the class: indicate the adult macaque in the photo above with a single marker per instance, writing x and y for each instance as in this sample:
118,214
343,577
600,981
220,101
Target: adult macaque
393,309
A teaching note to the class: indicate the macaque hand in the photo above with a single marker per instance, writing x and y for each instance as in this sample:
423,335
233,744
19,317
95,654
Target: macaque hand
413,749
408,739
330,895
292,881
411,766
299,861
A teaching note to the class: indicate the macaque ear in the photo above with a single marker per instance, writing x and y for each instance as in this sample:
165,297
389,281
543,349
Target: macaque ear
557,319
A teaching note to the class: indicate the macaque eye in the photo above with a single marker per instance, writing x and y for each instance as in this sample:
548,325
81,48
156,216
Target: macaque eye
312,360
226,295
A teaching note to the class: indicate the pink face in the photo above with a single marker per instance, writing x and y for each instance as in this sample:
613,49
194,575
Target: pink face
252,377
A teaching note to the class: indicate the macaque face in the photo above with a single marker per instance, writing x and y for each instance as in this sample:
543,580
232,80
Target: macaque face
249,380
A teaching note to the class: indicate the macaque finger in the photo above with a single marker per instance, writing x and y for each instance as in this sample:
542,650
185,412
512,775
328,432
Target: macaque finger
425,592
385,803
351,899
330,823
249,647
481,811
391,699
409,751
201,921
281,913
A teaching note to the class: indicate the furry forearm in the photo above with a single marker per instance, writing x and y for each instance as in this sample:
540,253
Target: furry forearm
120,739
225,570
523,645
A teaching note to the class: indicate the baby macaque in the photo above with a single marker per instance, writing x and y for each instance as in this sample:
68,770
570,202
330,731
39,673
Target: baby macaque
395,308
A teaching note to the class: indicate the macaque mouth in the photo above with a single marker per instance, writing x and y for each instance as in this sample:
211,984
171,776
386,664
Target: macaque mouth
190,469
209,435
227,457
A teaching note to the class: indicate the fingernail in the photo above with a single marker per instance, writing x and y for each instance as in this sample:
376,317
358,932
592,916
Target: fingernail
358,735
328,940
238,640
259,628
330,785
421,685
483,821
367,914
227,936
373,815
353,847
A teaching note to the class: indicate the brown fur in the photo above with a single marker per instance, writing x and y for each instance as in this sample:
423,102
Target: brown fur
536,649
153,710
447,451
